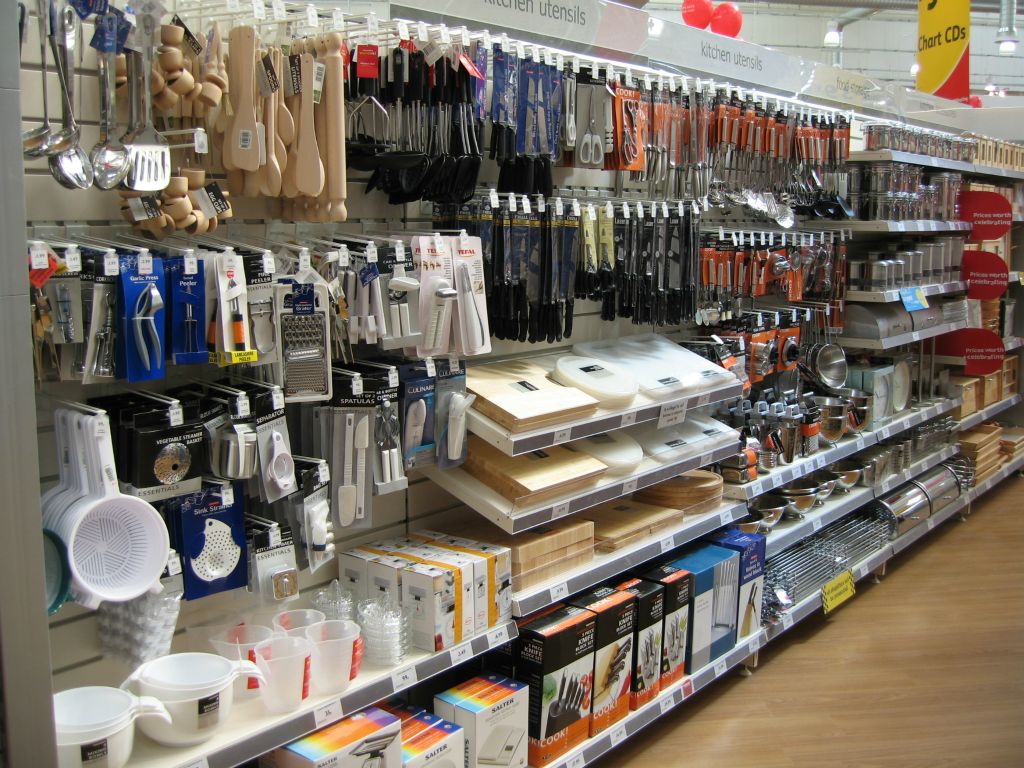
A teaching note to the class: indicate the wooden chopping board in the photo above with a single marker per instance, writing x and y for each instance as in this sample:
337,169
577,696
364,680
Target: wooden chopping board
621,522
686,490
519,395
532,477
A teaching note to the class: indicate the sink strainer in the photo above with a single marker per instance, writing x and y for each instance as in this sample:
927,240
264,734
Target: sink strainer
220,553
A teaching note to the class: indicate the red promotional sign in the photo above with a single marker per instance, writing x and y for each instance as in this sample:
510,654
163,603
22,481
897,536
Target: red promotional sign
982,350
988,213
985,273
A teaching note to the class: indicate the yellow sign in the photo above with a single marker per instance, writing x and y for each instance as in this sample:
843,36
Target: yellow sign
838,591
943,47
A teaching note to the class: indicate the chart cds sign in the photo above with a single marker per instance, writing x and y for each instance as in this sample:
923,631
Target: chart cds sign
943,47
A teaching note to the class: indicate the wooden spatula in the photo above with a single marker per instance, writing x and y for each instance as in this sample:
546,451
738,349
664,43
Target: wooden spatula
309,171
245,150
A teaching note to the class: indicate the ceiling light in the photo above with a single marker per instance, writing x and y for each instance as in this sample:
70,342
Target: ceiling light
1007,47
833,35
915,68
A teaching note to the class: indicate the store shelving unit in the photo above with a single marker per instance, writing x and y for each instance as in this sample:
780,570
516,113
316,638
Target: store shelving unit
910,227
895,156
890,342
890,296
607,565
980,417
251,731
605,420
513,519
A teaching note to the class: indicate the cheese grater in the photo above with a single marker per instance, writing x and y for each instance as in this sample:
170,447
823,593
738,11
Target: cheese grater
306,366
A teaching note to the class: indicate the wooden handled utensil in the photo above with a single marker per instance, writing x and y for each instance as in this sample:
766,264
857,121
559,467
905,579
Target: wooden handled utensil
309,171
245,150
334,94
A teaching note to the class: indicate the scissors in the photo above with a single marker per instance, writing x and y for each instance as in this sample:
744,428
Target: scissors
630,138
591,145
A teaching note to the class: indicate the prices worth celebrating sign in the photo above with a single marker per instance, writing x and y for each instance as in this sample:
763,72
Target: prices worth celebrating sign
943,47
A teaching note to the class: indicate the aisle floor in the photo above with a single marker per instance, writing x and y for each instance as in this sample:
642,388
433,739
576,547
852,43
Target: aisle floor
921,669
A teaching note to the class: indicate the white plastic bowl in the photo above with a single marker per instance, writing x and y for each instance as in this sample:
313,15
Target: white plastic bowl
97,722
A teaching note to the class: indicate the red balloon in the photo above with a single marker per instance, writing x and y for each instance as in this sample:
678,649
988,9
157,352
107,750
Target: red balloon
697,13
727,20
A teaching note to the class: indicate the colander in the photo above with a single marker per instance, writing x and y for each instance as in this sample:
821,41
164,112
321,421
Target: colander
117,544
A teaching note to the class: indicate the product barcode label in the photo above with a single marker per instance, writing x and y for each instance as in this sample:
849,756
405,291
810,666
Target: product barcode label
403,678
269,265
560,510
323,473
327,713
860,573
244,139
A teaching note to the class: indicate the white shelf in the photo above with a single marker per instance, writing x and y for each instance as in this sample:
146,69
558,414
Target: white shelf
910,227
513,518
804,466
904,338
592,749
643,410
251,731
891,155
890,296
980,417
605,565
916,468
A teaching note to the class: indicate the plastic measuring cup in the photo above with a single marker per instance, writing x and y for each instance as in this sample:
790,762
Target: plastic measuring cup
299,618
285,664
333,643
239,642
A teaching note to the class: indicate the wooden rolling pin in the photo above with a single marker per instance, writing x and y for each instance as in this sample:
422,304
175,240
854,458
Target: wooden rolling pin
334,94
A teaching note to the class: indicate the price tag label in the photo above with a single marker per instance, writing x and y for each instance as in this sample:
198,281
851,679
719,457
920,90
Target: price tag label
422,32
72,259
191,264
931,523
145,263
628,419
915,336
403,678
242,409
259,11
755,488
227,499
497,637
431,367
816,525
175,416
357,386
618,735
787,621
323,473
578,761
199,762
667,703
111,264
276,399
704,399
39,256
671,414
269,264
667,544
327,713
278,11
754,645
312,20
726,517
562,436
403,30
559,592
629,486
460,653
720,668
861,442
560,510
860,573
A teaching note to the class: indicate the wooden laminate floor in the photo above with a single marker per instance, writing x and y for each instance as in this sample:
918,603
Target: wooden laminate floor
922,669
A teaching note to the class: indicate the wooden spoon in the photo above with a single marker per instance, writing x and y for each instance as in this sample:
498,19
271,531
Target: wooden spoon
280,145
309,171
288,180
271,172
245,150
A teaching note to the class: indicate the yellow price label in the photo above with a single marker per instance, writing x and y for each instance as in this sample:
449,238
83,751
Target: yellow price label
838,591
234,358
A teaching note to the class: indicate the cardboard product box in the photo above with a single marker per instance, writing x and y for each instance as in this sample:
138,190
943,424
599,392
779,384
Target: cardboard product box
678,584
645,681
368,738
555,657
472,581
384,576
498,563
751,548
352,564
493,712
428,593
715,595
613,653
441,746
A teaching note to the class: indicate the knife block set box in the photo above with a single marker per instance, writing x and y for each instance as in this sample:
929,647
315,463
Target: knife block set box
645,681
493,713
518,395
712,631
534,477
751,548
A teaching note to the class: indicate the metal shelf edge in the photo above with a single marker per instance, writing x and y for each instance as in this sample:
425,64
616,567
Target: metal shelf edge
904,338
988,412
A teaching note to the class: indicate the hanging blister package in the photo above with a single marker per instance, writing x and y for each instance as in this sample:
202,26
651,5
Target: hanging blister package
276,465
352,434
272,568
305,366
263,323
416,400
64,294
310,515
187,322
403,297
141,349
233,339
471,331
211,540
433,259
452,405
164,461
